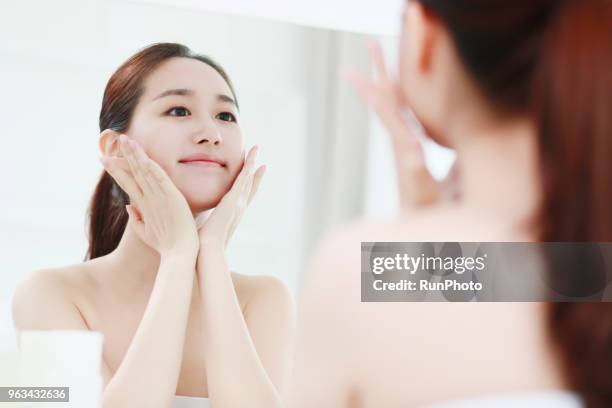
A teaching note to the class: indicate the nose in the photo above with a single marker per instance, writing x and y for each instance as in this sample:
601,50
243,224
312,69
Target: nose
208,135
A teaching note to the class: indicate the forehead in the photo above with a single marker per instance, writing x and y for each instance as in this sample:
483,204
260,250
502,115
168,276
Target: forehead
185,73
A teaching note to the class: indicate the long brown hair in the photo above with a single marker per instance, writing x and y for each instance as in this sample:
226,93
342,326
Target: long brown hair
107,214
552,59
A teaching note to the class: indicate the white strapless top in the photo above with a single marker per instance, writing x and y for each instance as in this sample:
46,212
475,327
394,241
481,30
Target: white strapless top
536,399
190,402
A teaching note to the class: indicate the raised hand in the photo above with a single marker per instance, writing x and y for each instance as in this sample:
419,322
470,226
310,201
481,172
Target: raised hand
219,226
416,185
159,212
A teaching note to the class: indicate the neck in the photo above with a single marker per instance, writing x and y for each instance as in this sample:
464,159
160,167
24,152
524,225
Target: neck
134,262
498,165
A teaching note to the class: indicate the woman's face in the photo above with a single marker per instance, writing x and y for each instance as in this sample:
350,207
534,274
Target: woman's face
186,120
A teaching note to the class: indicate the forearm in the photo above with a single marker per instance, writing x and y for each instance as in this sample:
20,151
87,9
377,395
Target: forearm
148,374
231,355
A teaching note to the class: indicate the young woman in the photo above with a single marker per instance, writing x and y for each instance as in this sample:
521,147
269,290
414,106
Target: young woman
179,328
522,90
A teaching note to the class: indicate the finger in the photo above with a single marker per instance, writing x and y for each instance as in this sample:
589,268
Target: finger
408,139
128,154
250,166
156,171
155,175
120,162
256,181
246,189
122,177
160,177
363,85
388,112
128,151
232,228
378,60
252,157
123,164
245,173
143,163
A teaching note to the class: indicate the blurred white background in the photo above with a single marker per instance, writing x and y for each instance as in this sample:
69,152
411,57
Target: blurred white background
328,160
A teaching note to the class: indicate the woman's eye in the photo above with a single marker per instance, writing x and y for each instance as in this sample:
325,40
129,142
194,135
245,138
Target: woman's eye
179,111
227,117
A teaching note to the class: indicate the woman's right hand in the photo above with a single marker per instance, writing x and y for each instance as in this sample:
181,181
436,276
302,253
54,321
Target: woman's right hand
159,212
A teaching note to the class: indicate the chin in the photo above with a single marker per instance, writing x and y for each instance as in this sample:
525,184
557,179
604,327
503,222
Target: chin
198,206
203,200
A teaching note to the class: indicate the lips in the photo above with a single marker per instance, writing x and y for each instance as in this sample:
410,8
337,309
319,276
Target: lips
202,159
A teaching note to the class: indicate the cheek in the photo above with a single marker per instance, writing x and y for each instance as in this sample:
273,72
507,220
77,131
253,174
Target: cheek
163,153
234,151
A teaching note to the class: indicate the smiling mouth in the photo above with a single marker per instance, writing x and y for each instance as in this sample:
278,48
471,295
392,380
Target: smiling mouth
202,163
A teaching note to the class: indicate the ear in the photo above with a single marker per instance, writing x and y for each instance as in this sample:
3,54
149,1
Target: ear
109,143
424,29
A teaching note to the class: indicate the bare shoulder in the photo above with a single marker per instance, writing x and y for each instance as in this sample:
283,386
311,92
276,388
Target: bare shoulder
252,289
445,222
332,281
331,303
44,299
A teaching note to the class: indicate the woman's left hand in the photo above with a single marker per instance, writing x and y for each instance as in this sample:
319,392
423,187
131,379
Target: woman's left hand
219,226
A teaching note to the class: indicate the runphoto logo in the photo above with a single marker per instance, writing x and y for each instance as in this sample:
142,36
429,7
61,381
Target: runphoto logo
412,264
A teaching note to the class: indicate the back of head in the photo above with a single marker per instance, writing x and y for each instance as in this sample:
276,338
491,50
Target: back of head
552,60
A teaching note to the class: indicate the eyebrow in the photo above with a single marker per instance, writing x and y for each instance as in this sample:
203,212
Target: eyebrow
225,98
181,92
191,92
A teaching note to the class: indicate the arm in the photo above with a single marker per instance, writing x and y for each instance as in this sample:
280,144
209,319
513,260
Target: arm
160,216
328,348
149,371
270,318
254,353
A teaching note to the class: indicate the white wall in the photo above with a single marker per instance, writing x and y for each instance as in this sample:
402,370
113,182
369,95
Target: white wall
381,17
